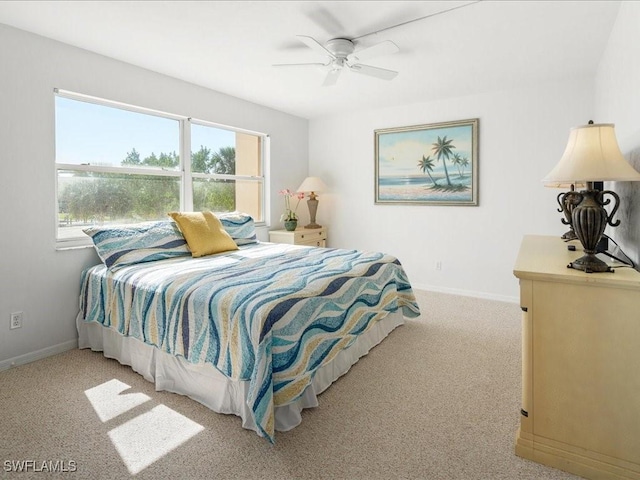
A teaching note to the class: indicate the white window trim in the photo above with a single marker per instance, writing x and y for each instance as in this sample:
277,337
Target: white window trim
184,168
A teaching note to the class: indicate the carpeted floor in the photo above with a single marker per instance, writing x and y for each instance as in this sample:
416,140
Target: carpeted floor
438,399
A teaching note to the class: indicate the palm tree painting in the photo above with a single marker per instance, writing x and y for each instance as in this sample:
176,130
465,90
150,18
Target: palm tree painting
426,165
434,164
464,163
456,159
443,150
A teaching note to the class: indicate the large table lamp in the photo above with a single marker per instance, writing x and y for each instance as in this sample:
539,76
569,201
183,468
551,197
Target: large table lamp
312,185
592,155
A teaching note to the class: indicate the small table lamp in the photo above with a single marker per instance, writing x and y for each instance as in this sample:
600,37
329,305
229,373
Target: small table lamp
566,207
312,185
592,155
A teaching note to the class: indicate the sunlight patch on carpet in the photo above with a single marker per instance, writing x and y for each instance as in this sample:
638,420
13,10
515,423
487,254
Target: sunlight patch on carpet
109,402
147,437
150,436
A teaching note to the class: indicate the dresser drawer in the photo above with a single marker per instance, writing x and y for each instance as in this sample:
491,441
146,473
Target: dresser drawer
316,237
305,237
314,243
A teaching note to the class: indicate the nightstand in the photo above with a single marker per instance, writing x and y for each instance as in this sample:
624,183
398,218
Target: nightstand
313,237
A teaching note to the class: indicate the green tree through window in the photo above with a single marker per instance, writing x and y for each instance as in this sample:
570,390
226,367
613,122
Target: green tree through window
110,197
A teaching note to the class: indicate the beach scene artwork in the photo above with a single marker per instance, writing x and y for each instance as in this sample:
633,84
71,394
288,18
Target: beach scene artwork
428,164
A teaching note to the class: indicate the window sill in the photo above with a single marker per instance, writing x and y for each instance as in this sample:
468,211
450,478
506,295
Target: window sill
63,247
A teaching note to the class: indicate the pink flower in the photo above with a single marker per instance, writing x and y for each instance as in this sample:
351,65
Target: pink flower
289,213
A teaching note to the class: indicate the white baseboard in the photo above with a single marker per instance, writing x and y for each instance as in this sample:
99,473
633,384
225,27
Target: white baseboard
467,293
38,354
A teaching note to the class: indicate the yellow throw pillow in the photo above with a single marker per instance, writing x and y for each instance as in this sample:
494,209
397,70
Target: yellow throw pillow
204,233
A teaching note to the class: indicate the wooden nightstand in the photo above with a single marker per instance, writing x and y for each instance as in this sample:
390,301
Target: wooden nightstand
313,237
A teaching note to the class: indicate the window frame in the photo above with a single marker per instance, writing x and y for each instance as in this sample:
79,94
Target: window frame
183,172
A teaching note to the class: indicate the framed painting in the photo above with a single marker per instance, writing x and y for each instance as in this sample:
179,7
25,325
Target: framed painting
435,164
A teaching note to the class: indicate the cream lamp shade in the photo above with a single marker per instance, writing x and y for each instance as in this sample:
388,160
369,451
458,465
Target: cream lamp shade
592,155
312,184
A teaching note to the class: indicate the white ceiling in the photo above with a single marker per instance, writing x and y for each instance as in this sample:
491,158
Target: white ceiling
230,46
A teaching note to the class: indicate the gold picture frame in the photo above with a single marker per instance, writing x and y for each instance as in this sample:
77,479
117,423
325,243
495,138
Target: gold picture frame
434,164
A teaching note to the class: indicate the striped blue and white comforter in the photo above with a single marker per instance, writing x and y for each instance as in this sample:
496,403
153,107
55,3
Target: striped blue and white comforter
270,314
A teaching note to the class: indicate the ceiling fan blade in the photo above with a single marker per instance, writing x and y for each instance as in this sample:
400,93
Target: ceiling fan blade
383,48
332,77
299,64
313,44
377,72
324,19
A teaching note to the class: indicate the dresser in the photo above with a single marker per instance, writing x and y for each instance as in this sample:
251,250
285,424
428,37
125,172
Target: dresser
313,237
580,363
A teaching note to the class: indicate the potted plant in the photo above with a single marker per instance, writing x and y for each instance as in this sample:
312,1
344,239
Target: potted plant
289,217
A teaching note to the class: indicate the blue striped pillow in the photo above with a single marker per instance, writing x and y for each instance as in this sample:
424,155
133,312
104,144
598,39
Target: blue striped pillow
239,226
119,245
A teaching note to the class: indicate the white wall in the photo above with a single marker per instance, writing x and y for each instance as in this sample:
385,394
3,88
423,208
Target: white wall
522,135
617,100
37,279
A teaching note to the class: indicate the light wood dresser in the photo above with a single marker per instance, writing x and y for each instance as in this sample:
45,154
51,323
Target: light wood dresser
580,363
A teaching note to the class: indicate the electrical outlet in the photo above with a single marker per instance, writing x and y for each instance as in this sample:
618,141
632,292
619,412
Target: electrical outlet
438,265
16,320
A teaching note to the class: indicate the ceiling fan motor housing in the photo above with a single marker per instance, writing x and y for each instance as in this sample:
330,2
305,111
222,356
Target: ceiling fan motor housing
340,47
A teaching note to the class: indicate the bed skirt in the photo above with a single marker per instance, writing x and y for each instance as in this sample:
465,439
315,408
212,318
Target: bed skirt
205,384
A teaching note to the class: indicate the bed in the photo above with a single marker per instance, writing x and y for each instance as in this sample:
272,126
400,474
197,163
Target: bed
257,331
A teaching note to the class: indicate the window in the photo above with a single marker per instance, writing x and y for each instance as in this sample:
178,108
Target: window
224,168
120,164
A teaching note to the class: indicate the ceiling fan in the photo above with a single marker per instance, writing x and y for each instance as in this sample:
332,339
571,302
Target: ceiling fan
342,54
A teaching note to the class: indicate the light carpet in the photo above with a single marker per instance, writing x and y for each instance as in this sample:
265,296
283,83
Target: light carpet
438,399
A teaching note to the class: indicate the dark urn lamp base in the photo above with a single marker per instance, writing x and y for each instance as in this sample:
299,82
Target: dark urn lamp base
589,263
589,219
